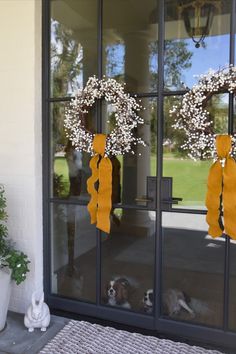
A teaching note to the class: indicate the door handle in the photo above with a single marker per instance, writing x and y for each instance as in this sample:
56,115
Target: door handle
143,199
173,200
177,199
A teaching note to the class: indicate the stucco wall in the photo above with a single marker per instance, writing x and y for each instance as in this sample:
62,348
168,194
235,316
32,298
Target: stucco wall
20,135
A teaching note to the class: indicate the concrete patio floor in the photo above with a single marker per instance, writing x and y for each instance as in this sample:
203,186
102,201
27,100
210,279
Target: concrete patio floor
15,338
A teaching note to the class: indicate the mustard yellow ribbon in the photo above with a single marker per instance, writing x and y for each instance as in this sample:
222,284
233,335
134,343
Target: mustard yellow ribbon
99,206
221,191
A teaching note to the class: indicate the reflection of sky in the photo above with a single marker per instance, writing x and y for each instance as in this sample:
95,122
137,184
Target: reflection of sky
115,57
153,62
214,56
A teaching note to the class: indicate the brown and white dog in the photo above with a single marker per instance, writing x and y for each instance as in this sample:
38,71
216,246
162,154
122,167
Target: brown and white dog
117,293
173,301
148,301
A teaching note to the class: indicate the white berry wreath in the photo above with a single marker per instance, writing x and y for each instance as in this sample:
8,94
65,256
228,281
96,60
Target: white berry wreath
121,139
192,117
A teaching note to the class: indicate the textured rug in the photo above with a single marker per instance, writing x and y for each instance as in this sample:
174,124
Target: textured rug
79,337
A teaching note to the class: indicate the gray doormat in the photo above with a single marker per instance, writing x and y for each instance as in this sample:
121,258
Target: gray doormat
79,337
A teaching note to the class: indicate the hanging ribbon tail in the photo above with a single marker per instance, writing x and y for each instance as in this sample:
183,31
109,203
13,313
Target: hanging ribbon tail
229,197
92,205
104,194
213,199
100,203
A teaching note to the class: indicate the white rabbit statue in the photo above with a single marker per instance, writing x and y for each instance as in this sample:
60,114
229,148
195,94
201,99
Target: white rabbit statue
37,315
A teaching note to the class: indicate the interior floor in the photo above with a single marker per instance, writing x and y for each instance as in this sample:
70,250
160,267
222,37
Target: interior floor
190,264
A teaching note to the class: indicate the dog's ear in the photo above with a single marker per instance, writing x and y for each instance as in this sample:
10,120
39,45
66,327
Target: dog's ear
187,298
125,283
105,293
121,293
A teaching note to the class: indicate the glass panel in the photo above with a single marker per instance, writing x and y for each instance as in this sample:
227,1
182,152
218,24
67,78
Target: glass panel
135,174
130,32
234,117
73,256
128,260
193,270
234,37
190,177
218,107
232,287
196,39
69,168
73,44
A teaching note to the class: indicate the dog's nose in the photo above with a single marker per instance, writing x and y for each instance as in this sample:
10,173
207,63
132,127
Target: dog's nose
111,291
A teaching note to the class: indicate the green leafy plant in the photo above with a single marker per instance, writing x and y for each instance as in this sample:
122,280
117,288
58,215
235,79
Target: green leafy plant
15,260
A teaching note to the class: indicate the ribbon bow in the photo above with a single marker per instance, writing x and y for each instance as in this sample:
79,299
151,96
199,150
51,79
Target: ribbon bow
221,191
99,206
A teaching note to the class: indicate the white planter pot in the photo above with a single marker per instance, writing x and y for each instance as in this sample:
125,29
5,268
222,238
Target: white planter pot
5,286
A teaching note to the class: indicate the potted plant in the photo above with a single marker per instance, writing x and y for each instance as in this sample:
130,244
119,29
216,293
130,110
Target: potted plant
13,263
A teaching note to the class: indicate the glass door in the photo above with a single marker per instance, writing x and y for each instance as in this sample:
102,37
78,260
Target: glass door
85,267
169,274
195,285
129,47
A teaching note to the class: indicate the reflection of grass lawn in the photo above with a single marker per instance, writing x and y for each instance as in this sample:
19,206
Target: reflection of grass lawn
61,169
189,177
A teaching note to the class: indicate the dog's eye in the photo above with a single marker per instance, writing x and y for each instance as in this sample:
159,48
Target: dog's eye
151,297
145,294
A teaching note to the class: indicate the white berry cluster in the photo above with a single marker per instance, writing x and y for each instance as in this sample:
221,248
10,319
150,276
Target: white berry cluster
121,139
192,117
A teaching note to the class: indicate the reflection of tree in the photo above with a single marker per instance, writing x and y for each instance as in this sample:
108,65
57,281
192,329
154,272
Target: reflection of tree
217,107
59,136
115,61
177,58
173,139
66,55
153,126
66,65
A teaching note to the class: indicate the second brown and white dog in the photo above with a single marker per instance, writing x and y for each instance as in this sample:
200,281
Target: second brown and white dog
173,301
148,301
117,293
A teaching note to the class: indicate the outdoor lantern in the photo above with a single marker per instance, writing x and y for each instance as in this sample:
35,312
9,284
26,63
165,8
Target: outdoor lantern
198,17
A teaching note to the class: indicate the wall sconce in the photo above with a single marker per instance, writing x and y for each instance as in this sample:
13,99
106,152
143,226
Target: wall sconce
198,17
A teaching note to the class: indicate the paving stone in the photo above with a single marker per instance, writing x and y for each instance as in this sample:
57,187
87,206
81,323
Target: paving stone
16,339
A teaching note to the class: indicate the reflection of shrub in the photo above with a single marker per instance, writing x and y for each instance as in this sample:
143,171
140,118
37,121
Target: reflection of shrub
58,185
179,141
153,130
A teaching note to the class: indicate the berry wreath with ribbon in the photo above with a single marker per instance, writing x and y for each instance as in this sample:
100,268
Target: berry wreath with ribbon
119,141
201,142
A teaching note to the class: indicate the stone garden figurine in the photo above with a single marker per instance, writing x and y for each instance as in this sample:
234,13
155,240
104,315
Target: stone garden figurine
37,315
